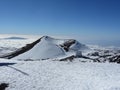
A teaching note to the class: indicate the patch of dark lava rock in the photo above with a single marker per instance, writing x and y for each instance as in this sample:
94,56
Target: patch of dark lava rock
115,58
3,86
67,44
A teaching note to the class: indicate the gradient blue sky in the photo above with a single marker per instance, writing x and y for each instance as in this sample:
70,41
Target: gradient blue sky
88,19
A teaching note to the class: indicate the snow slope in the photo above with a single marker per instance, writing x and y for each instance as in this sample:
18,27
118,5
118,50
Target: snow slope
78,47
55,75
50,48
43,50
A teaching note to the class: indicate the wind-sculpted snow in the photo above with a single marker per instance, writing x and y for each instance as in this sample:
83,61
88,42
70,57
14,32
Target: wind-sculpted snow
55,75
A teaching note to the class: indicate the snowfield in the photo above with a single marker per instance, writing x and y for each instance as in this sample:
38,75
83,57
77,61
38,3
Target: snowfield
52,74
55,75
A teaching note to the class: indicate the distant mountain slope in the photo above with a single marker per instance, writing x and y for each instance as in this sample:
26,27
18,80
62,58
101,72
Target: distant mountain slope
15,38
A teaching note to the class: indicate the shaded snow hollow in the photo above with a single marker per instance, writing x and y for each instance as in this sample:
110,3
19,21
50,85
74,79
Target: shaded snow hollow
49,48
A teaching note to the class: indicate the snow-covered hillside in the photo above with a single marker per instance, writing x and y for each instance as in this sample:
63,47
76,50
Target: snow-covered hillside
46,48
57,71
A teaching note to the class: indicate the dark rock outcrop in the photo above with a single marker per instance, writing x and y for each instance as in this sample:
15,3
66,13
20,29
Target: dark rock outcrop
67,44
115,58
95,54
3,86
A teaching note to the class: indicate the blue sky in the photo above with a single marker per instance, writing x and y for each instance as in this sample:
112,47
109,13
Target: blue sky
86,19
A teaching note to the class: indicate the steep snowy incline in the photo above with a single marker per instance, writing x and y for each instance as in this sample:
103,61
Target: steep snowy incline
49,47
43,50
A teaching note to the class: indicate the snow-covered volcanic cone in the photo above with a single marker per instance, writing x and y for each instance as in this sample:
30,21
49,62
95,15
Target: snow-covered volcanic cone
47,47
